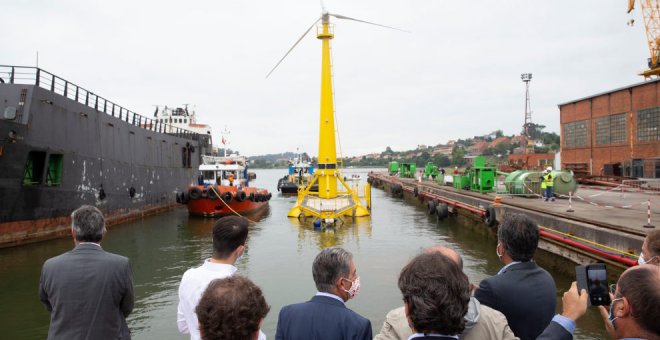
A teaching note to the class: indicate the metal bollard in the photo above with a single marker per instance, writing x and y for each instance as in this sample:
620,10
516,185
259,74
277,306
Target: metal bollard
648,216
570,202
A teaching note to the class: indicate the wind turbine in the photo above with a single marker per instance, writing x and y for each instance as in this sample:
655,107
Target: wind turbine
329,203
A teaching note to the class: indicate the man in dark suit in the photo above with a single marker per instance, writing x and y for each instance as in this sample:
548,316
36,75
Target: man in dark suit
325,316
88,291
524,292
436,294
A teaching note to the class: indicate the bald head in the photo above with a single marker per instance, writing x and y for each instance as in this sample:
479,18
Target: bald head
446,251
639,285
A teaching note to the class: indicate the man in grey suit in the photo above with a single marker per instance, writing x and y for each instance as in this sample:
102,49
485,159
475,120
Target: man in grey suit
88,291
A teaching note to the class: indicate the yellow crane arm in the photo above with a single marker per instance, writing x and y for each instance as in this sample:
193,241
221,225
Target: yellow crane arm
651,15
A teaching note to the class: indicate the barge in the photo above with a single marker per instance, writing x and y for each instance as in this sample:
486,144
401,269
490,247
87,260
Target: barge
62,146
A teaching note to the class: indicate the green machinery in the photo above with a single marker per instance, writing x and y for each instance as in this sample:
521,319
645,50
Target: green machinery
407,170
528,183
479,178
431,170
393,168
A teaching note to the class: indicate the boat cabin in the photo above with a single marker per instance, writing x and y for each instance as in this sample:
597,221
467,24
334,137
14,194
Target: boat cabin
227,171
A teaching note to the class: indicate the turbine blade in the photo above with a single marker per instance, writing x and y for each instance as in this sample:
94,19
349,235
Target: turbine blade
294,46
339,16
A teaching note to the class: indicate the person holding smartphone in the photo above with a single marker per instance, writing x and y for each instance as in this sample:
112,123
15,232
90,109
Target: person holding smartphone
633,313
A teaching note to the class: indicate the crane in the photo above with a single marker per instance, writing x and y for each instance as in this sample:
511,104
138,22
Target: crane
651,15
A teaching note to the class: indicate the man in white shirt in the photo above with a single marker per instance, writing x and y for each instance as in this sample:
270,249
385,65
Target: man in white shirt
229,236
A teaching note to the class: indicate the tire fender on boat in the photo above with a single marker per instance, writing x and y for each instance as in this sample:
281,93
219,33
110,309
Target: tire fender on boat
416,191
241,196
195,193
226,197
185,197
252,197
212,193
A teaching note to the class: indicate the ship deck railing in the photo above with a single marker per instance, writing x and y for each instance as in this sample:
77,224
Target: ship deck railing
28,75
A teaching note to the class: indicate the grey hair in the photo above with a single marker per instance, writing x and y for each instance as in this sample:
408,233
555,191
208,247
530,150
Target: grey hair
329,265
88,223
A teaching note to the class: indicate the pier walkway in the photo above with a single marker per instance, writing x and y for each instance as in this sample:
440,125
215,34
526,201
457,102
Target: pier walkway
604,225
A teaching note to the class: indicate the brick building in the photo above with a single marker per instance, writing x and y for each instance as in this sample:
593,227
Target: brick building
615,133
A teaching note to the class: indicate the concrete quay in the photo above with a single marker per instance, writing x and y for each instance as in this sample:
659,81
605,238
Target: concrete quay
598,229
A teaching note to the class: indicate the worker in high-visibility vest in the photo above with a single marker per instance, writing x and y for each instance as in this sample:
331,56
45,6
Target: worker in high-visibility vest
548,182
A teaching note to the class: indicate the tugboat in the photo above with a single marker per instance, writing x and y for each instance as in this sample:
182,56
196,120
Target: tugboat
299,176
222,189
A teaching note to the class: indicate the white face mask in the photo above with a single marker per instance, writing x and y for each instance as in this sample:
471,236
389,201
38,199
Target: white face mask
642,261
497,250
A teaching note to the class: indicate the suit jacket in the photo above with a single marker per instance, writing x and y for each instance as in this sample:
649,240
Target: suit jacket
525,293
89,294
321,317
491,325
555,331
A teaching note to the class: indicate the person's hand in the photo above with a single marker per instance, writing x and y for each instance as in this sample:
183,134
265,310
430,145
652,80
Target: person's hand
605,315
574,305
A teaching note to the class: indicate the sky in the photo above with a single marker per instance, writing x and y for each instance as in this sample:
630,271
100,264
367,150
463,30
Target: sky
455,75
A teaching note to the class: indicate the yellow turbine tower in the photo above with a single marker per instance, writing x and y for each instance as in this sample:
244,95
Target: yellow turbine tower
335,198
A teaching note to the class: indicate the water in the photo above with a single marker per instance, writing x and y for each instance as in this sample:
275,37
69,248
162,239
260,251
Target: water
279,260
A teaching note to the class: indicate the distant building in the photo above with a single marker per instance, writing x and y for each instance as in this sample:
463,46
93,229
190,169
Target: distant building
615,132
441,150
498,141
422,147
532,161
478,147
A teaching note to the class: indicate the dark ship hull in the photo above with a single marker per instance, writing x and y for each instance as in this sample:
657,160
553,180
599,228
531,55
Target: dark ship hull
62,146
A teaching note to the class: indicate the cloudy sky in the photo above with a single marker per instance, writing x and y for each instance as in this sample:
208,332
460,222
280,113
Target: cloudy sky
456,75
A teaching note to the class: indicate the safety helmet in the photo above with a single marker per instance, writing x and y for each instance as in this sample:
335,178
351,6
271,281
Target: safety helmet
548,169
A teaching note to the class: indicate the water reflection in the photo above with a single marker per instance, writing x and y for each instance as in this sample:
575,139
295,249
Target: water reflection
331,236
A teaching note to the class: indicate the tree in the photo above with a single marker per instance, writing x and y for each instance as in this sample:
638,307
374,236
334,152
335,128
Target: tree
388,150
457,155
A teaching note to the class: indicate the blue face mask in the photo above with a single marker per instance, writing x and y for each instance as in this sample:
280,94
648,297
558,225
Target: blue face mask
611,316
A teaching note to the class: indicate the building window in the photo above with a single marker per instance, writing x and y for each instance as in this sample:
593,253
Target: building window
648,124
185,120
611,129
575,134
54,174
34,168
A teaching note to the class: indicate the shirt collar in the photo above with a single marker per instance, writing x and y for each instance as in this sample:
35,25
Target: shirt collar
330,296
421,335
507,266
96,244
217,267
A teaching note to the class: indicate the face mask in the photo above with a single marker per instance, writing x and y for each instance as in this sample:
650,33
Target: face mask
611,316
642,261
355,288
497,250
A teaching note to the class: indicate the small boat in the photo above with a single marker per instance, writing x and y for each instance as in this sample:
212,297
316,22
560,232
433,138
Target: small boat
223,189
299,176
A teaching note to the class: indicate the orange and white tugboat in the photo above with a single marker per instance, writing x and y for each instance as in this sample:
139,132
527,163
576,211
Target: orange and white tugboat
223,189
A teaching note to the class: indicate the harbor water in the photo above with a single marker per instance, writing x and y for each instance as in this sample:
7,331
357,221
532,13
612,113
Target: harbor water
279,259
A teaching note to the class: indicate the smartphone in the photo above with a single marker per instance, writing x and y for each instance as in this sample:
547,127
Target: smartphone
593,278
